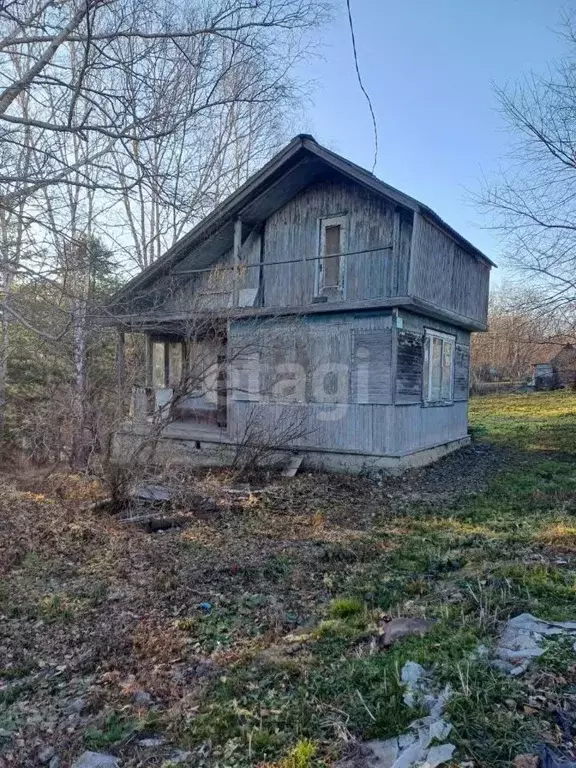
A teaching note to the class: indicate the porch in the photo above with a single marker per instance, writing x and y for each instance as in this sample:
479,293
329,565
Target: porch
175,383
179,430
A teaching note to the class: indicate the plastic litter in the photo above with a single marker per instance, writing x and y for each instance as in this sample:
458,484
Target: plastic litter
412,749
549,759
522,640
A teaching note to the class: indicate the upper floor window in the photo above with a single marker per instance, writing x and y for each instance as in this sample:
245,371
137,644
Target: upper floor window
332,246
438,367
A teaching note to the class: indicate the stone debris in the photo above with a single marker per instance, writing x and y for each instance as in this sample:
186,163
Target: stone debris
151,742
526,761
393,630
522,640
412,749
95,760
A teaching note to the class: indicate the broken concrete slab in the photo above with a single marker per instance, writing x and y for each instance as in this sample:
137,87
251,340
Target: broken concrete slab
522,640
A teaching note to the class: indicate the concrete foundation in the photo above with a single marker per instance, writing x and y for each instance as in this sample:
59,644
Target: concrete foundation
218,451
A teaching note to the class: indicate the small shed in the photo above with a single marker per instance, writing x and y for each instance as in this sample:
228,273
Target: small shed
560,372
564,366
544,376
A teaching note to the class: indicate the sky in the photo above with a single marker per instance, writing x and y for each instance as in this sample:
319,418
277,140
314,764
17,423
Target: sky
430,67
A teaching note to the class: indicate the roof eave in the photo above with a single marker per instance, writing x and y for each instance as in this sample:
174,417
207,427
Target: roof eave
211,221
237,199
368,179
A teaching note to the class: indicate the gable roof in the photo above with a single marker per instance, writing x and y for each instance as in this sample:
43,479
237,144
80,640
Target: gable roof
296,166
565,358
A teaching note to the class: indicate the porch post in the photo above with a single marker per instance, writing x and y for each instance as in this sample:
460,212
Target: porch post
149,363
236,261
121,373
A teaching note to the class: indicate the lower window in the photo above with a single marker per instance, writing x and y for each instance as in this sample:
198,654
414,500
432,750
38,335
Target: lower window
438,376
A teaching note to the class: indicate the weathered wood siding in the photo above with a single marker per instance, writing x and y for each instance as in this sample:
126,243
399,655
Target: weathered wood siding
416,427
370,429
324,427
410,362
215,288
293,233
368,411
462,372
325,372
409,366
444,274
339,358
205,290
413,257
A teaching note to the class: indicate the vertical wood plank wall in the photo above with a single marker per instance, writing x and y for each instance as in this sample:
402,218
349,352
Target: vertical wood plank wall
380,411
292,232
444,274
373,417
423,261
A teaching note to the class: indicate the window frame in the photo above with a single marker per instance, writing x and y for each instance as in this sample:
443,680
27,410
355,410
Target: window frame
450,338
163,359
324,222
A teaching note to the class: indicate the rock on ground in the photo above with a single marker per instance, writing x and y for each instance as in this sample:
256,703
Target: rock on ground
95,760
401,627
526,761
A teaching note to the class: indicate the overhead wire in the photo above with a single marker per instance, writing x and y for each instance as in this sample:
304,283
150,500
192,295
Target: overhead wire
361,84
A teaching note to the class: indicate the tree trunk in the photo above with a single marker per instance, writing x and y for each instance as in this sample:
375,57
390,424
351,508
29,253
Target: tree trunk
80,438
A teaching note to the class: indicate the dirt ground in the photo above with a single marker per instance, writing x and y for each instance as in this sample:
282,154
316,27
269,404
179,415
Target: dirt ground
222,642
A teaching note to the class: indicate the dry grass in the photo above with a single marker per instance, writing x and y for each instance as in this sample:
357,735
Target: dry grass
248,637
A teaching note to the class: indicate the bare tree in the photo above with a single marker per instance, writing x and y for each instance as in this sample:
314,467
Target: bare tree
521,333
534,203
127,120
120,76
172,180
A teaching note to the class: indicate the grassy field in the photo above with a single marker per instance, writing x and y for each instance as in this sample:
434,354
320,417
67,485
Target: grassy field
250,638
536,422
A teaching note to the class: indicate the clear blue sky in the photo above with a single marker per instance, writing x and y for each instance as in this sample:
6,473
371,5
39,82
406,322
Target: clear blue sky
429,66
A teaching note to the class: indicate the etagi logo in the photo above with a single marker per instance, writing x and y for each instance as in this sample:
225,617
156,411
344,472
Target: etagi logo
329,384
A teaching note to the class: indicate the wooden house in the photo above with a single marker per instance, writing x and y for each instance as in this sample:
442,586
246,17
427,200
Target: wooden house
317,309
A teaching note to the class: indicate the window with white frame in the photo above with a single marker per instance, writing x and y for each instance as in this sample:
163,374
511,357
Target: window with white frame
438,379
332,246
